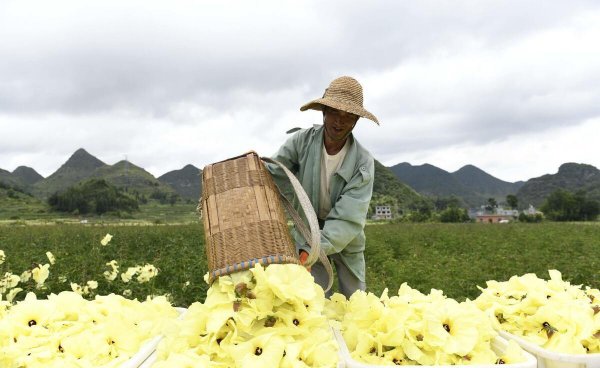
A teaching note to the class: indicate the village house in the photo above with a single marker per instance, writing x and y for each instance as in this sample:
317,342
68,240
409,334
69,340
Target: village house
382,213
501,215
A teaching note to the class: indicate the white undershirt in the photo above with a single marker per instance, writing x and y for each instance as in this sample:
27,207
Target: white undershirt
329,165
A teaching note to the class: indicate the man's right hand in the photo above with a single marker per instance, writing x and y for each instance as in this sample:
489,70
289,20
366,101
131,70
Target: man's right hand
303,256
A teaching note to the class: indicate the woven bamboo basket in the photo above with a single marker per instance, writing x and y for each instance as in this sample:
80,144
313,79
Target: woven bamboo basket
244,222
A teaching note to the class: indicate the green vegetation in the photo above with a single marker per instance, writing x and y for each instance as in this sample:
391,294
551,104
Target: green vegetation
177,251
16,204
92,196
388,190
452,257
523,217
512,201
457,257
562,205
454,214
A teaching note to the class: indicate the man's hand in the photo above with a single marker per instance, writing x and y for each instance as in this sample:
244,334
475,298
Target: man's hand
303,256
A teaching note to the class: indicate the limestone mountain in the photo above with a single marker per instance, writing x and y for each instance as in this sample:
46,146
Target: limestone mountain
79,166
27,175
131,178
387,184
470,184
8,179
187,181
571,176
431,181
486,185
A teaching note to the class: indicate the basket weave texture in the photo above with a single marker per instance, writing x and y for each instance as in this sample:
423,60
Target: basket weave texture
244,222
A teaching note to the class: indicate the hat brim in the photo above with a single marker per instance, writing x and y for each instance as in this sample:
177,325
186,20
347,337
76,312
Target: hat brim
353,109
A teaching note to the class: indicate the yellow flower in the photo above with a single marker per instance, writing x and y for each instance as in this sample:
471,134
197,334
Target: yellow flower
77,288
30,313
335,307
2,256
25,276
51,257
261,351
40,274
553,314
8,282
255,318
283,281
112,274
10,296
512,354
146,273
130,273
66,330
448,327
106,240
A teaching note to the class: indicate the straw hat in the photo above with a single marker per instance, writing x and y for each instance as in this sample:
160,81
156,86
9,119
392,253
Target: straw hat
345,94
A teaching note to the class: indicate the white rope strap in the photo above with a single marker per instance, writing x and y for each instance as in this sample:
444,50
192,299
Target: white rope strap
312,234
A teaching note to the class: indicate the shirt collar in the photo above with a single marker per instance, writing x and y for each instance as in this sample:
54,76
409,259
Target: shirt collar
347,169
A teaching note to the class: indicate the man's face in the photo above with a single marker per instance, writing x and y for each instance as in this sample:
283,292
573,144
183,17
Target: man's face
338,124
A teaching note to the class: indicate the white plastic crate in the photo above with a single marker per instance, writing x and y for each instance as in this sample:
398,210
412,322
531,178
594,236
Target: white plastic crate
498,345
550,359
147,349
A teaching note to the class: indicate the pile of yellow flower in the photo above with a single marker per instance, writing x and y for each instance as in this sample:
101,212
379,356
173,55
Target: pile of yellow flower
66,330
417,329
553,314
264,317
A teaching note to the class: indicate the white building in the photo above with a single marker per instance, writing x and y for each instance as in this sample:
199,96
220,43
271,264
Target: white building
382,213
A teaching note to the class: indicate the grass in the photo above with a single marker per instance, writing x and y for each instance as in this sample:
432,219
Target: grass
458,257
25,213
452,257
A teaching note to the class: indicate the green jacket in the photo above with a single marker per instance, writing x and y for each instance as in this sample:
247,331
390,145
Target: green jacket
351,190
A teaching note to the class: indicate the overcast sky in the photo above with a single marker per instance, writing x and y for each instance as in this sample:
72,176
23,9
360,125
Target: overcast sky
512,87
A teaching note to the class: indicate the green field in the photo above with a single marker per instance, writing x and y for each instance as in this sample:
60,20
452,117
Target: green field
452,257
23,213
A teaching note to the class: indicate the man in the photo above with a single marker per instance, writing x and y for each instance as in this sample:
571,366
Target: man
337,173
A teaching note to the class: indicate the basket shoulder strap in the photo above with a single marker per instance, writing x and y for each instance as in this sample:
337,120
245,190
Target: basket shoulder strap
312,234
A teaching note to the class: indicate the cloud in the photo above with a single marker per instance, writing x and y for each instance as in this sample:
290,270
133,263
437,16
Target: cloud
171,83
146,55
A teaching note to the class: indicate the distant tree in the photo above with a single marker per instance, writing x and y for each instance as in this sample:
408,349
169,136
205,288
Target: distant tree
441,203
562,205
523,217
491,205
588,209
421,211
512,201
160,196
173,199
93,196
454,214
